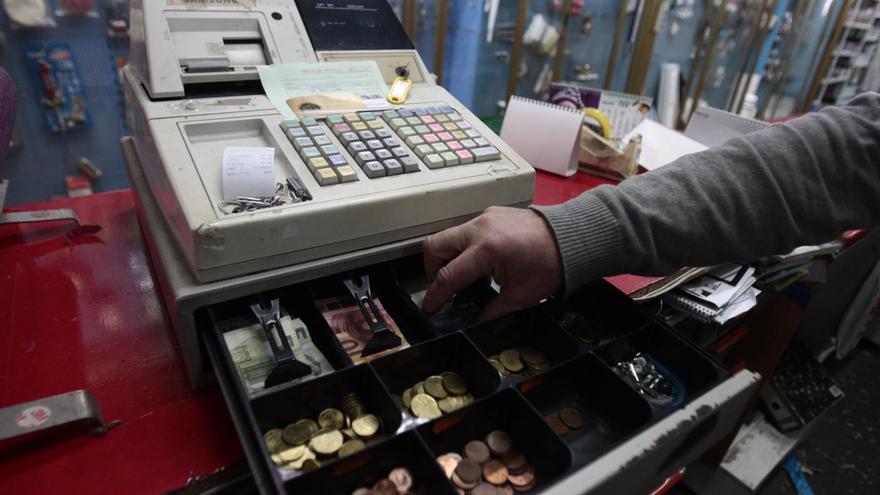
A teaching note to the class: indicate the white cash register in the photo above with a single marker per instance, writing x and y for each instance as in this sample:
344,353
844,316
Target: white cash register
354,186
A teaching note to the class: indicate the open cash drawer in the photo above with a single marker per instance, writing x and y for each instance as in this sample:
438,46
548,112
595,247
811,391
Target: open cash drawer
625,441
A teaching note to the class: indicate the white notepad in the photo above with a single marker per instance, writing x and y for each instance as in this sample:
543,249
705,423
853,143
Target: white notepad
713,127
545,135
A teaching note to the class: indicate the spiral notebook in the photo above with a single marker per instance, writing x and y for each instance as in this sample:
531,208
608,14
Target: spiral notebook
545,135
713,127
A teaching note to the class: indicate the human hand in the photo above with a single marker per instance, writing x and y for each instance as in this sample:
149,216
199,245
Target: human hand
514,246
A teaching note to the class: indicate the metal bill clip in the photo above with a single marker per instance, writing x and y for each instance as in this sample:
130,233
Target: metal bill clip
287,367
383,338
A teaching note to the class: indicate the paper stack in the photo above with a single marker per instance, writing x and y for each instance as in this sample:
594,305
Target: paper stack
721,294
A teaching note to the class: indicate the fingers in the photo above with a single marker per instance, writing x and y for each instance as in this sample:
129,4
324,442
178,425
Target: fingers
461,272
442,247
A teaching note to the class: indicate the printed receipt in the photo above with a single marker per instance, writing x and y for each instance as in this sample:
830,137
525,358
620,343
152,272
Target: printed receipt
248,172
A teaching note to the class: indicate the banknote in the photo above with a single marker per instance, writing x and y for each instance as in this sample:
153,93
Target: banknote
253,356
351,329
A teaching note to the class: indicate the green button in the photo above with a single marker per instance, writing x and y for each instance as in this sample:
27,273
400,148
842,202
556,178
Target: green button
424,149
414,121
368,116
450,158
434,161
335,119
440,147
398,122
309,121
290,123
406,132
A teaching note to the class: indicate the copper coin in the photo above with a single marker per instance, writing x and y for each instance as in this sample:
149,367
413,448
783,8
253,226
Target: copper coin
515,462
476,451
484,489
402,479
556,423
385,487
499,443
524,488
504,489
449,462
458,482
572,418
469,471
520,480
494,472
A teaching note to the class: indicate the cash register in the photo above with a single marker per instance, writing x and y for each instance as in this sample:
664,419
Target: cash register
357,190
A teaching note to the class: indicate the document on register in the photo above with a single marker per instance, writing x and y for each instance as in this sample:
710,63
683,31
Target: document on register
285,81
248,172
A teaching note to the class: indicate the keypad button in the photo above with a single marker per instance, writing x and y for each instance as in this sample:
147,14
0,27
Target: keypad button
486,153
446,109
423,149
414,141
393,167
410,164
464,125
390,142
440,147
367,135
436,128
373,169
453,116
364,157
469,143
481,142
374,144
433,110
356,147
302,142
419,111
441,118
454,145
449,158
389,114
397,123
433,161
358,126
382,133
295,132
413,121
422,129
322,140
450,126
428,119
319,162
464,156
445,136
472,133
459,135
367,116
285,124
326,176
335,119
405,112
315,130
329,150
399,152
348,137
308,121
351,117
340,128
406,132
346,174
337,160
383,154
310,152
374,124
430,138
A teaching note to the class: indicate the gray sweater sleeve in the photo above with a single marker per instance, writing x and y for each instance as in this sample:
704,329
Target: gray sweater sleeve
792,184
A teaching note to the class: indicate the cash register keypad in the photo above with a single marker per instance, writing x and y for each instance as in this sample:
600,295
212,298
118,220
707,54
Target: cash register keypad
437,135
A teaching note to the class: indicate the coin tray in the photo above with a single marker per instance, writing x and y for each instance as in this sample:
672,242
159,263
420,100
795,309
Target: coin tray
506,411
453,352
530,328
612,410
288,404
374,463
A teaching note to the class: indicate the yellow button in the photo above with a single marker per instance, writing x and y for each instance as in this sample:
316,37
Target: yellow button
326,176
441,118
346,173
459,135
359,126
318,162
450,126
374,124
351,117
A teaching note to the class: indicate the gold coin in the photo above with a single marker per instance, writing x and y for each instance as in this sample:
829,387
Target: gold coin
467,398
454,383
532,357
297,433
350,447
418,388
349,433
308,455
274,440
434,387
331,418
424,406
277,459
327,442
495,361
510,360
366,425
407,397
292,454
450,404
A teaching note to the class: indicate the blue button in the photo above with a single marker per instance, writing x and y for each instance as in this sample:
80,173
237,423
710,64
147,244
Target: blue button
446,109
337,160
420,111
403,112
433,110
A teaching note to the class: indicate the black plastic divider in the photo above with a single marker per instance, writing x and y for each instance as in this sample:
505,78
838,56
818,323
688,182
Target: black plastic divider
531,329
366,467
453,352
611,409
509,412
598,313
382,286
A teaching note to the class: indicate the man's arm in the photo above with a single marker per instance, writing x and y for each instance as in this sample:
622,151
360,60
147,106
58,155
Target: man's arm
797,183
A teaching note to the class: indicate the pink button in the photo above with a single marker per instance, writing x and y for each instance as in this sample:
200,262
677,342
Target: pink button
339,128
454,145
428,119
430,138
464,155
445,136
436,127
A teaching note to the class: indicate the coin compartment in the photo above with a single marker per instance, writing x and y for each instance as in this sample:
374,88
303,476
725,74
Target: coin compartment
612,411
374,463
531,329
453,352
509,412
288,404
597,314
460,313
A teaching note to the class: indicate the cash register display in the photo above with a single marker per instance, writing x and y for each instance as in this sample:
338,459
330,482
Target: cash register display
353,25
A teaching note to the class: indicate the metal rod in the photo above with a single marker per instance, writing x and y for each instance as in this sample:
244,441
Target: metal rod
440,38
560,45
713,37
516,55
692,72
641,59
409,18
833,40
756,26
765,31
798,26
615,46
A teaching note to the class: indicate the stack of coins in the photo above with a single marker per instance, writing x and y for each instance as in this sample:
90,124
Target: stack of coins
305,444
489,467
520,361
565,421
398,482
437,395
